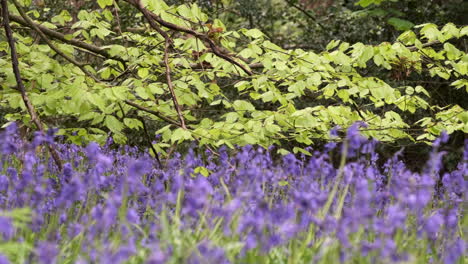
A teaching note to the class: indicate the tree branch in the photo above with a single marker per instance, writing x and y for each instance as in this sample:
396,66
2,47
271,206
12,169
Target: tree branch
14,62
171,86
425,45
147,136
168,43
49,43
59,36
204,37
93,48
306,13
155,113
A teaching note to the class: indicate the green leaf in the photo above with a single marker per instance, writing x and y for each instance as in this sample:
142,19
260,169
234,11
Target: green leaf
400,24
366,3
133,123
202,170
143,72
408,37
253,33
301,150
231,117
249,138
329,90
140,91
283,151
180,134
332,44
113,124
241,105
458,84
452,52
430,32
104,3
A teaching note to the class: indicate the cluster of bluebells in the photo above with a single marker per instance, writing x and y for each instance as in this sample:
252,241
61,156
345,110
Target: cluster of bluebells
119,206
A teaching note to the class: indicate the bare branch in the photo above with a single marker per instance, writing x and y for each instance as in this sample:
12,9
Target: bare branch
306,13
147,136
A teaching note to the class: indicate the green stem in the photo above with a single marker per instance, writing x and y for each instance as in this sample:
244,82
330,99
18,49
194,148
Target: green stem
338,180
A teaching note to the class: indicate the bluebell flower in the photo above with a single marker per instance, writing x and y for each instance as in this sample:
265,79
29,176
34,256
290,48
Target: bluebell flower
157,256
208,254
455,251
4,259
47,252
7,229
433,224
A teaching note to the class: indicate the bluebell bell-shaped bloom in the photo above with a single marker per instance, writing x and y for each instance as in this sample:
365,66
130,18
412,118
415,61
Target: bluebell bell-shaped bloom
455,251
157,256
433,224
67,172
121,255
92,150
74,229
442,139
132,216
4,183
396,218
7,229
38,139
7,140
50,135
139,167
354,138
4,259
47,252
362,200
208,254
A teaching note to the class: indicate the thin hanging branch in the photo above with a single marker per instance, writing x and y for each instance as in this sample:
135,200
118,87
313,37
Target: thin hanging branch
307,14
14,62
150,143
171,86
168,43
155,113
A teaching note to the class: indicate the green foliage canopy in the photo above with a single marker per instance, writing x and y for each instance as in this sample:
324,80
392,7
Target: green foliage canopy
229,86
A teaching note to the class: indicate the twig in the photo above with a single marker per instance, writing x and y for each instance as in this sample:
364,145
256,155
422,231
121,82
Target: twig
155,113
425,45
150,143
14,62
171,86
307,14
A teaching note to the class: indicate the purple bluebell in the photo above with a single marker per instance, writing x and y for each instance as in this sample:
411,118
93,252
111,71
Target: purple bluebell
455,251
47,252
7,229
4,259
433,224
